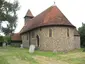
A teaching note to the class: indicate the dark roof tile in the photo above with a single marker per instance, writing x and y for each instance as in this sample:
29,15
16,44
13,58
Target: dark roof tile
16,37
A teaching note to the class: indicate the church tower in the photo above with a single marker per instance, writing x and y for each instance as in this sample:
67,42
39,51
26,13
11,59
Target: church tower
28,16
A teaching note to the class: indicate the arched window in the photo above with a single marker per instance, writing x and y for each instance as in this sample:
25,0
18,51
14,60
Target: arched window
50,32
37,40
67,32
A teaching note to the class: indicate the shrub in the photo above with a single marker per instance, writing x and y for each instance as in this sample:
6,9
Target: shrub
82,34
7,39
1,39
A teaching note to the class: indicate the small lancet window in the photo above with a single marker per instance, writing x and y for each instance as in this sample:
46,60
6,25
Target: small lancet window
50,32
67,32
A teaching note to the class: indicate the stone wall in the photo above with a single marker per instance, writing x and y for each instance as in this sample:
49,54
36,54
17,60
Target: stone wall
77,41
25,41
60,41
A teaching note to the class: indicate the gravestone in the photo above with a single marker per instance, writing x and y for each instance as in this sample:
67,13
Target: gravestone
31,48
21,46
4,44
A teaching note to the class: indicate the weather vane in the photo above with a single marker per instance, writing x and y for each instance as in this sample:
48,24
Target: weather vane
54,3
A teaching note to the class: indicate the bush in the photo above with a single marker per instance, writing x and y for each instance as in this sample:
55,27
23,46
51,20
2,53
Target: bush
7,39
1,39
82,34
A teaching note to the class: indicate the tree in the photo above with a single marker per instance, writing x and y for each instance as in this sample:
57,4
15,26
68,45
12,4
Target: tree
1,12
7,39
1,40
9,15
82,34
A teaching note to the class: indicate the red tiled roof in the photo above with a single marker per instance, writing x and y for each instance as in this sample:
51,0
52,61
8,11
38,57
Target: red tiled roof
16,37
51,16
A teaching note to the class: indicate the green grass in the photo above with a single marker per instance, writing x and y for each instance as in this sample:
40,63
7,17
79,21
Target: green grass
12,55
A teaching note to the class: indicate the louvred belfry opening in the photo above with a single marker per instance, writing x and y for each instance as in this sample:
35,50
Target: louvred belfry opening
28,16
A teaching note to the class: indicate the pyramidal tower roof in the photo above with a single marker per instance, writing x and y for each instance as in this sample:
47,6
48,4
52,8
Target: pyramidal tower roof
49,17
29,13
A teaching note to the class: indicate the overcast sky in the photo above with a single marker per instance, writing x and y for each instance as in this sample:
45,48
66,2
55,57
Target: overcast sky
74,10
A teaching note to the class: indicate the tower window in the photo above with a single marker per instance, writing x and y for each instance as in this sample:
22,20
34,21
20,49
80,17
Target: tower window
50,32
67,32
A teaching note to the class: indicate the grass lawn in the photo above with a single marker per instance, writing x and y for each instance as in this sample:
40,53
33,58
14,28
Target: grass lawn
12,55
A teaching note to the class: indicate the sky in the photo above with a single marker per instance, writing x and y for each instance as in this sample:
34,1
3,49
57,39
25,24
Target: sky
74,10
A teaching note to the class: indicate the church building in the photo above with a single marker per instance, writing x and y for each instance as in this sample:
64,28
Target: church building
49,31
